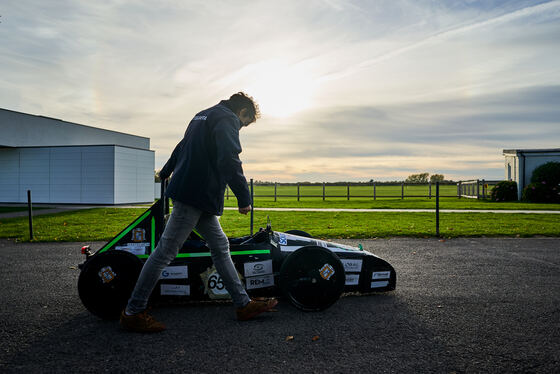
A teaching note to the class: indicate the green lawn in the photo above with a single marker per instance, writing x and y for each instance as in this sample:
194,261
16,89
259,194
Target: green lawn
393,203
105,223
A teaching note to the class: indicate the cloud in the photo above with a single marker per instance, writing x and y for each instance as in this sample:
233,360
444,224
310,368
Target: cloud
387,87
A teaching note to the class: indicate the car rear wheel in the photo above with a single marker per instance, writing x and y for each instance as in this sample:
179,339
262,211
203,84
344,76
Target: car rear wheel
312,278
106,282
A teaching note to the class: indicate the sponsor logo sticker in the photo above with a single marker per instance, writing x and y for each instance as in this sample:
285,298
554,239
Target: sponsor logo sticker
106,274
134,248
260,282
379,284
352,266
352,279
282,239
381,275
326,271
175,272
258,268
138,235
175,289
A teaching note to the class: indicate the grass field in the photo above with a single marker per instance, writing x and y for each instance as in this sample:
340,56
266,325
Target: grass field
394,203
105,223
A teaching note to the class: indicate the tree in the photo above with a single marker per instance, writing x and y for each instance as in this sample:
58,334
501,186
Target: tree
437,178
417,178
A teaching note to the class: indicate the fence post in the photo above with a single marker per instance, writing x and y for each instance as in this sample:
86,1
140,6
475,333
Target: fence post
374,192
478,189
252,205
348,191
275,185
402,190
323,191
227,192
430,189
459,189
30,213
297,191
483,189
437,209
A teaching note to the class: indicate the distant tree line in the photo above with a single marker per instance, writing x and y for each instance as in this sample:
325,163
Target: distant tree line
421,178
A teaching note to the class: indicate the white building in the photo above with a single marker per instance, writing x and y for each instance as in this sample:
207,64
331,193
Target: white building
520,164
64,162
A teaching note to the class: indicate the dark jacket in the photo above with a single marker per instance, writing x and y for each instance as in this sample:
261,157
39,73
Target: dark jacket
206,160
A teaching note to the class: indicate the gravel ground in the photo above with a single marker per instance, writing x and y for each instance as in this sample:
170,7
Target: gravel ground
461,305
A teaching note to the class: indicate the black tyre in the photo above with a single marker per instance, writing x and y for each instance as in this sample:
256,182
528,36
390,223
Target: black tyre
312,278
299,233
106,282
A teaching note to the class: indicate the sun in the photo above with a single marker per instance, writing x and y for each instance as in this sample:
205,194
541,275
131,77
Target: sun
280,89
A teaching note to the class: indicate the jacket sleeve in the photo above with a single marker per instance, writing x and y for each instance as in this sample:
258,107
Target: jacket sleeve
169,166
226,135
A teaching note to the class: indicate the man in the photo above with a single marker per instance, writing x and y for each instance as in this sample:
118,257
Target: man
203,163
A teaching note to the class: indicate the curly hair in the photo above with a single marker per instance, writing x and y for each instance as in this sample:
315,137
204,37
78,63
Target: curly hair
241,100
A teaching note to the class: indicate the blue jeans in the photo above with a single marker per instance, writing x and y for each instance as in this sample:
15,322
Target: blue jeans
184,218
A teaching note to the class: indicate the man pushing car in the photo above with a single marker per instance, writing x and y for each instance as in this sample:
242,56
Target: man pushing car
203,163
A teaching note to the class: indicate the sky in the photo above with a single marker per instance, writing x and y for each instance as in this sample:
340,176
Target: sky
348,90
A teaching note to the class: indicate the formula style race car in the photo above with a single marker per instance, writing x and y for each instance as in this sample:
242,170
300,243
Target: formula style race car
310,273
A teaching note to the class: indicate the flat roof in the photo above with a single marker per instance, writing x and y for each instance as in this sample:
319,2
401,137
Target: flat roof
516,151
23,129
72,123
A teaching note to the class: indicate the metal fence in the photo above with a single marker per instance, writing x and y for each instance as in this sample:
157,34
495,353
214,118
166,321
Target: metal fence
476,189
374,190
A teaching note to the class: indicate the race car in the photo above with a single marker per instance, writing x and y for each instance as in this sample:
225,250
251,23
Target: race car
312,274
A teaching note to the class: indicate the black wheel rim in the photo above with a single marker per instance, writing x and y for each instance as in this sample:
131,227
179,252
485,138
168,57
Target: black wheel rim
312,278
106,282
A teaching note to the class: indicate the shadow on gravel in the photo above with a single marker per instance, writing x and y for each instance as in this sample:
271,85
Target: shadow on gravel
359,333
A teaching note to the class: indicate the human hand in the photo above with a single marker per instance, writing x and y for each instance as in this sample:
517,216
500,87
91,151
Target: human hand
245,210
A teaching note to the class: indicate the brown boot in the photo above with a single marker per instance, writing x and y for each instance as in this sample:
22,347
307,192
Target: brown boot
141,322
254,308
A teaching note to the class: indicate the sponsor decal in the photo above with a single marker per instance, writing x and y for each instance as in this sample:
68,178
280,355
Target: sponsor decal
379,284
199,118
175,289
260,282
134,248
321,243
258,268
106,274
381,275
175,272
282,239
352,266
326,271
352,279
138,235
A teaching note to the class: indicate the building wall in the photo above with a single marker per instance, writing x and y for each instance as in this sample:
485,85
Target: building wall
534,160
26,130
523,163
77,175
134,175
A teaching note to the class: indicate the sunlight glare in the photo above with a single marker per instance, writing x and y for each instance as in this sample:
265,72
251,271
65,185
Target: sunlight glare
282,90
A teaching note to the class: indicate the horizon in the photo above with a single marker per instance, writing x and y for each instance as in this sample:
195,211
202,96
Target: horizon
349,90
